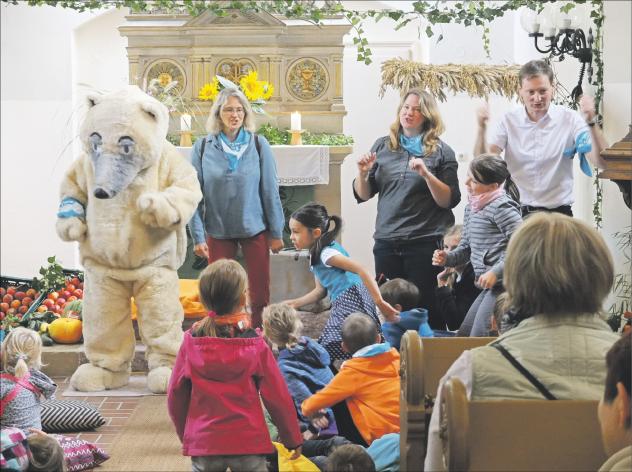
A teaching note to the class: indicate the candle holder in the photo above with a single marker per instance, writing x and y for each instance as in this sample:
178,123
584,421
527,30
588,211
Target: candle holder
296,139
185,139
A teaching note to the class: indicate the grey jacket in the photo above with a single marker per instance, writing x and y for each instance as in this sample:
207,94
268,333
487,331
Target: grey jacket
485,236
406,209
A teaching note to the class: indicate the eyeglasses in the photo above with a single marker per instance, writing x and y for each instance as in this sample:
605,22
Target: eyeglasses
230,110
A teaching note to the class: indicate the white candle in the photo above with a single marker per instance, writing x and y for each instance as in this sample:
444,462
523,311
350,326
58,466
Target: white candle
535,27
549,32
295,121
185,122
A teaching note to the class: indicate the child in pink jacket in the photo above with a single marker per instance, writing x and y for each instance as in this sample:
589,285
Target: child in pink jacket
222,369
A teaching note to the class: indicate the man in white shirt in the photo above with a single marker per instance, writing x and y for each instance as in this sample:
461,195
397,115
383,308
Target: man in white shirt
540,139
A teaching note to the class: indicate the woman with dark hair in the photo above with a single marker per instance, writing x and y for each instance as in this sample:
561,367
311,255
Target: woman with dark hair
347,283
414,174
491,217
241,204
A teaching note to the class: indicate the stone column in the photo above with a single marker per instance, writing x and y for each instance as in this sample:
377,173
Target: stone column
330,194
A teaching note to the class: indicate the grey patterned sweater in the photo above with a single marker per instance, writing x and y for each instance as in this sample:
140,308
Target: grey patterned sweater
485,236
24,411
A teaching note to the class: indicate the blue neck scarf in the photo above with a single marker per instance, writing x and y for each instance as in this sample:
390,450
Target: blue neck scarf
233,150
413,145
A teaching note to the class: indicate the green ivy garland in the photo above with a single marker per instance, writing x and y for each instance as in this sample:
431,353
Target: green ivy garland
466,12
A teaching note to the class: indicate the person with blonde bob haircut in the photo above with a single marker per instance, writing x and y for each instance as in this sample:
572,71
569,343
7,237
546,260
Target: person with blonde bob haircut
414,174
241,206
558,272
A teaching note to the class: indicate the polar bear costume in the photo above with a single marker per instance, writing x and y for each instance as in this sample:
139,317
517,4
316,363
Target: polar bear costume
126,200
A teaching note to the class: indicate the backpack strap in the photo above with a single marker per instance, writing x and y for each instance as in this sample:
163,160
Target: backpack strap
523,370
20,383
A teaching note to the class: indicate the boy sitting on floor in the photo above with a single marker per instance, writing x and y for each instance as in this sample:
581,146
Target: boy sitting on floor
404,296
369,382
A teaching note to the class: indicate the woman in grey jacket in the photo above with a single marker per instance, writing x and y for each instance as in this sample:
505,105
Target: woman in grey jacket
241,204
414,174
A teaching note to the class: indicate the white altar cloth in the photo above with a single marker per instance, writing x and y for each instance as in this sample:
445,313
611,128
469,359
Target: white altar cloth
296,165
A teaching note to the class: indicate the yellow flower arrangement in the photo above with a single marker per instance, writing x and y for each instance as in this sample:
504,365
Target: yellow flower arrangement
209,91
256,91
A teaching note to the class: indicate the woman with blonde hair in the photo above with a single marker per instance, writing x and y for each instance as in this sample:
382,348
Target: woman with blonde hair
21,382
558,272
241,204
414,174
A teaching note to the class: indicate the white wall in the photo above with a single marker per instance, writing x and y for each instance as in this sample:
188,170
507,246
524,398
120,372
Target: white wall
48,52
36,133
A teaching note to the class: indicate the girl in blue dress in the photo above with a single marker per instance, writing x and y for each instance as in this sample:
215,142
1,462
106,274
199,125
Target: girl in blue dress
349,286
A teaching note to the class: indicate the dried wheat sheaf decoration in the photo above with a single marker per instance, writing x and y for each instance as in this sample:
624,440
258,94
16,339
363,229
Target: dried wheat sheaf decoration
476,80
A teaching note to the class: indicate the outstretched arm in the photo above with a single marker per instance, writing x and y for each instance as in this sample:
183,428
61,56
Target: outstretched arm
481,146
345,263
318,293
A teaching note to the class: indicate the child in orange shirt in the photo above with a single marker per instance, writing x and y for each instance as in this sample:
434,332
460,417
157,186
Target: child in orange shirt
369,382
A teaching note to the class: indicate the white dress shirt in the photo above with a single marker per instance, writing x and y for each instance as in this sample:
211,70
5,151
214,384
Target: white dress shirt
533,151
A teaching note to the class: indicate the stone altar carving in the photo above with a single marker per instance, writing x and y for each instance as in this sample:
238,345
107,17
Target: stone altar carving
301,60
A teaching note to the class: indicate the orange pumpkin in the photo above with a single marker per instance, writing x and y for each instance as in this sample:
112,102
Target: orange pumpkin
65,330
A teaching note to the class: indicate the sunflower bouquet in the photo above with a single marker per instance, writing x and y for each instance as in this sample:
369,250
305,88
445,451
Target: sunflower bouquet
256,91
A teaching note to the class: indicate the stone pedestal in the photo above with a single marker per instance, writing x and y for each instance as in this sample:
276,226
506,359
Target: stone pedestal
329,195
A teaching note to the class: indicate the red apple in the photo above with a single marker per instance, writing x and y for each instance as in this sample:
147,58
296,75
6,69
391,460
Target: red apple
71,298
8,298
11,290
26,301
53,295
78,293
23,309
4,307
48,303
19,295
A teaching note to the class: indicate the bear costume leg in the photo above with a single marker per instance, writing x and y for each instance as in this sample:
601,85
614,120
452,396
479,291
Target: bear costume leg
160,317
107,332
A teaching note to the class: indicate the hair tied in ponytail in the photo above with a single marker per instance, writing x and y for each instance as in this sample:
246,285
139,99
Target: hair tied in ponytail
22,356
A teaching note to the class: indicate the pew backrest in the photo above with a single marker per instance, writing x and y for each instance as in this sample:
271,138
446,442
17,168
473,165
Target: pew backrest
518,435
423,362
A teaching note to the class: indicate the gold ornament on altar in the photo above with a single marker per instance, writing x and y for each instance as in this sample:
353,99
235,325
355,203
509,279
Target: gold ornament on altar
307,79
166,72
234,69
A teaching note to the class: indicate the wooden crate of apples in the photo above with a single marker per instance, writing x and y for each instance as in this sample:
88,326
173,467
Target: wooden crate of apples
50,305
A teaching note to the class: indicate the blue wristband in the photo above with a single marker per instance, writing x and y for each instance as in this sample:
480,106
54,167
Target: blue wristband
71,208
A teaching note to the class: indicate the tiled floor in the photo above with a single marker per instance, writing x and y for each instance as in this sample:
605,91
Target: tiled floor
115,410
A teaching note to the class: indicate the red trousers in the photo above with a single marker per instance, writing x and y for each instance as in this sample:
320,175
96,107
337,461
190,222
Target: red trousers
257,258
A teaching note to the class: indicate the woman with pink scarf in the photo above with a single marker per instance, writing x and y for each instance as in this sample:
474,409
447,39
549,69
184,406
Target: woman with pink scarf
491,217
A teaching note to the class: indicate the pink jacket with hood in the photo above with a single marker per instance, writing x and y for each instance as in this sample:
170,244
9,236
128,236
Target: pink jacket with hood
213,397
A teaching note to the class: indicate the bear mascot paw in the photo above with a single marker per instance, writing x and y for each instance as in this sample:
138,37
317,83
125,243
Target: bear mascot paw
126,200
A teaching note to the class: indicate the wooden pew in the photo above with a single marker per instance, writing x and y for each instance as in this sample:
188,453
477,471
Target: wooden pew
423,362
518,435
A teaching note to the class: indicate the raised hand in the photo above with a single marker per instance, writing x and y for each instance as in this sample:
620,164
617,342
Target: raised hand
482,115
366,162
417,164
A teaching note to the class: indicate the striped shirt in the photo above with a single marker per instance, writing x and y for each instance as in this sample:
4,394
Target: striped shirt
485,236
